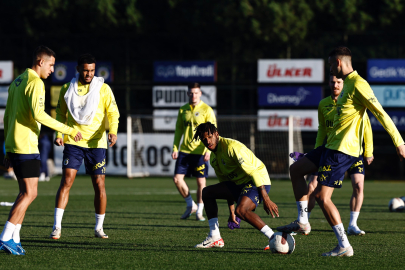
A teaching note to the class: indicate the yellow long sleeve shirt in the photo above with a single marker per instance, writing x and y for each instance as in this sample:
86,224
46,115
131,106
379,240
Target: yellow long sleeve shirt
188,119
326,115
233,161
348,125
94,135
25,113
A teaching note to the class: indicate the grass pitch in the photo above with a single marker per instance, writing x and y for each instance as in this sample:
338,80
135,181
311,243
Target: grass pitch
145,230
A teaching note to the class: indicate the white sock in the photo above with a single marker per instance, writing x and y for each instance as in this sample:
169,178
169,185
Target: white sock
16,233
189,201
341,235
309,213
267,231
99,221
8,230
302,207
200,208
353,218
214,228
57,217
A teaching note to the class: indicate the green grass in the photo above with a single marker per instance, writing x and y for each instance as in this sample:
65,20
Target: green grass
145,231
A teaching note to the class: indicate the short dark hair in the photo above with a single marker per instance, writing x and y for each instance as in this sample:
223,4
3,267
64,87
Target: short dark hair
194,85
41,51
202,128
86,59
340,52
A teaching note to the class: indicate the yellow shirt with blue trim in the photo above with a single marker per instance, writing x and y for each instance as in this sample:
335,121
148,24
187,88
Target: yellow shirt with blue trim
94,135
25,113
188,119
233,161
326,115
348,125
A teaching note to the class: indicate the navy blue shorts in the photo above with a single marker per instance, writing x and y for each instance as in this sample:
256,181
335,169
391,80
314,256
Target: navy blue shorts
333,166
25,165
94,159
357,166
249,190
191,165
315,155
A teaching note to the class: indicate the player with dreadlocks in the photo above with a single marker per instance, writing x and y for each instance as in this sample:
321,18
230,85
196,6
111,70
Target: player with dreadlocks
243,178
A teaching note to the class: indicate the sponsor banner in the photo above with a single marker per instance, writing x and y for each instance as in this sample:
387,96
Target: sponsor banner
386,70
152,153
277,120
3,95
65,71
290,70
166,119
176,96
289,96
398,117
390,95
6,71
185,71
2,111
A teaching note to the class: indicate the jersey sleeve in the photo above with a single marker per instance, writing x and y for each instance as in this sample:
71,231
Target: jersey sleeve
61,108
368,137
36,98
320,136
112,110
5,121
211,117
366,96
178,133
249,163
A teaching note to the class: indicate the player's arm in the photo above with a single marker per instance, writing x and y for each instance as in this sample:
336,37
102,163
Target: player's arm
320,136
36,98
61,112
368,140
113,114
232,216
178,133
366,96
248,162
269,206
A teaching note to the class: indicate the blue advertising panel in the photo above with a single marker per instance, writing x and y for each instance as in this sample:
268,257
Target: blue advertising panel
398,117
184,71
390,95
66,70
386,70
283,96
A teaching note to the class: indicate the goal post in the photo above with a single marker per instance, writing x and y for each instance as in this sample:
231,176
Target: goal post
150,141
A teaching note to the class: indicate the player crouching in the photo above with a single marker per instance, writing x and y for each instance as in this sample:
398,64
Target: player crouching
243,178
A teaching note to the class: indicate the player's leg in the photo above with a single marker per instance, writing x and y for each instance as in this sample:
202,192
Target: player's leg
200,171
356,202
210,195
182,168
201,183
312,184
94,162
72,160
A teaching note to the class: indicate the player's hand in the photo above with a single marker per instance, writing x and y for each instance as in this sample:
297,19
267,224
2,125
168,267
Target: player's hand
78,137
58,142
270,207
6,163
175,155
233,218
207,156
401,152
112,138
369,160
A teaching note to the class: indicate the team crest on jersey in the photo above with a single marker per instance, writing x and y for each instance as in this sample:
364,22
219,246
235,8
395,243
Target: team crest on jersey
18,81
197,114
66,161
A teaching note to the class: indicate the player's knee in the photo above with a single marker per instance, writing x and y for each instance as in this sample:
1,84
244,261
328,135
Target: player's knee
358,188
31,194
176,180
241,212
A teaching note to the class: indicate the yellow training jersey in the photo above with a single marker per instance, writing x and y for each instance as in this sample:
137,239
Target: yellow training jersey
233,161
94,134
348,125
25,113
326,115
188,119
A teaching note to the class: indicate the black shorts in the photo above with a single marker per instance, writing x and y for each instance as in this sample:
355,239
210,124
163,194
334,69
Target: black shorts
25,165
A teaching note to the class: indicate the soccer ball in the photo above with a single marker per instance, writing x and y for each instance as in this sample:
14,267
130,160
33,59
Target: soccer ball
281,242
396,205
